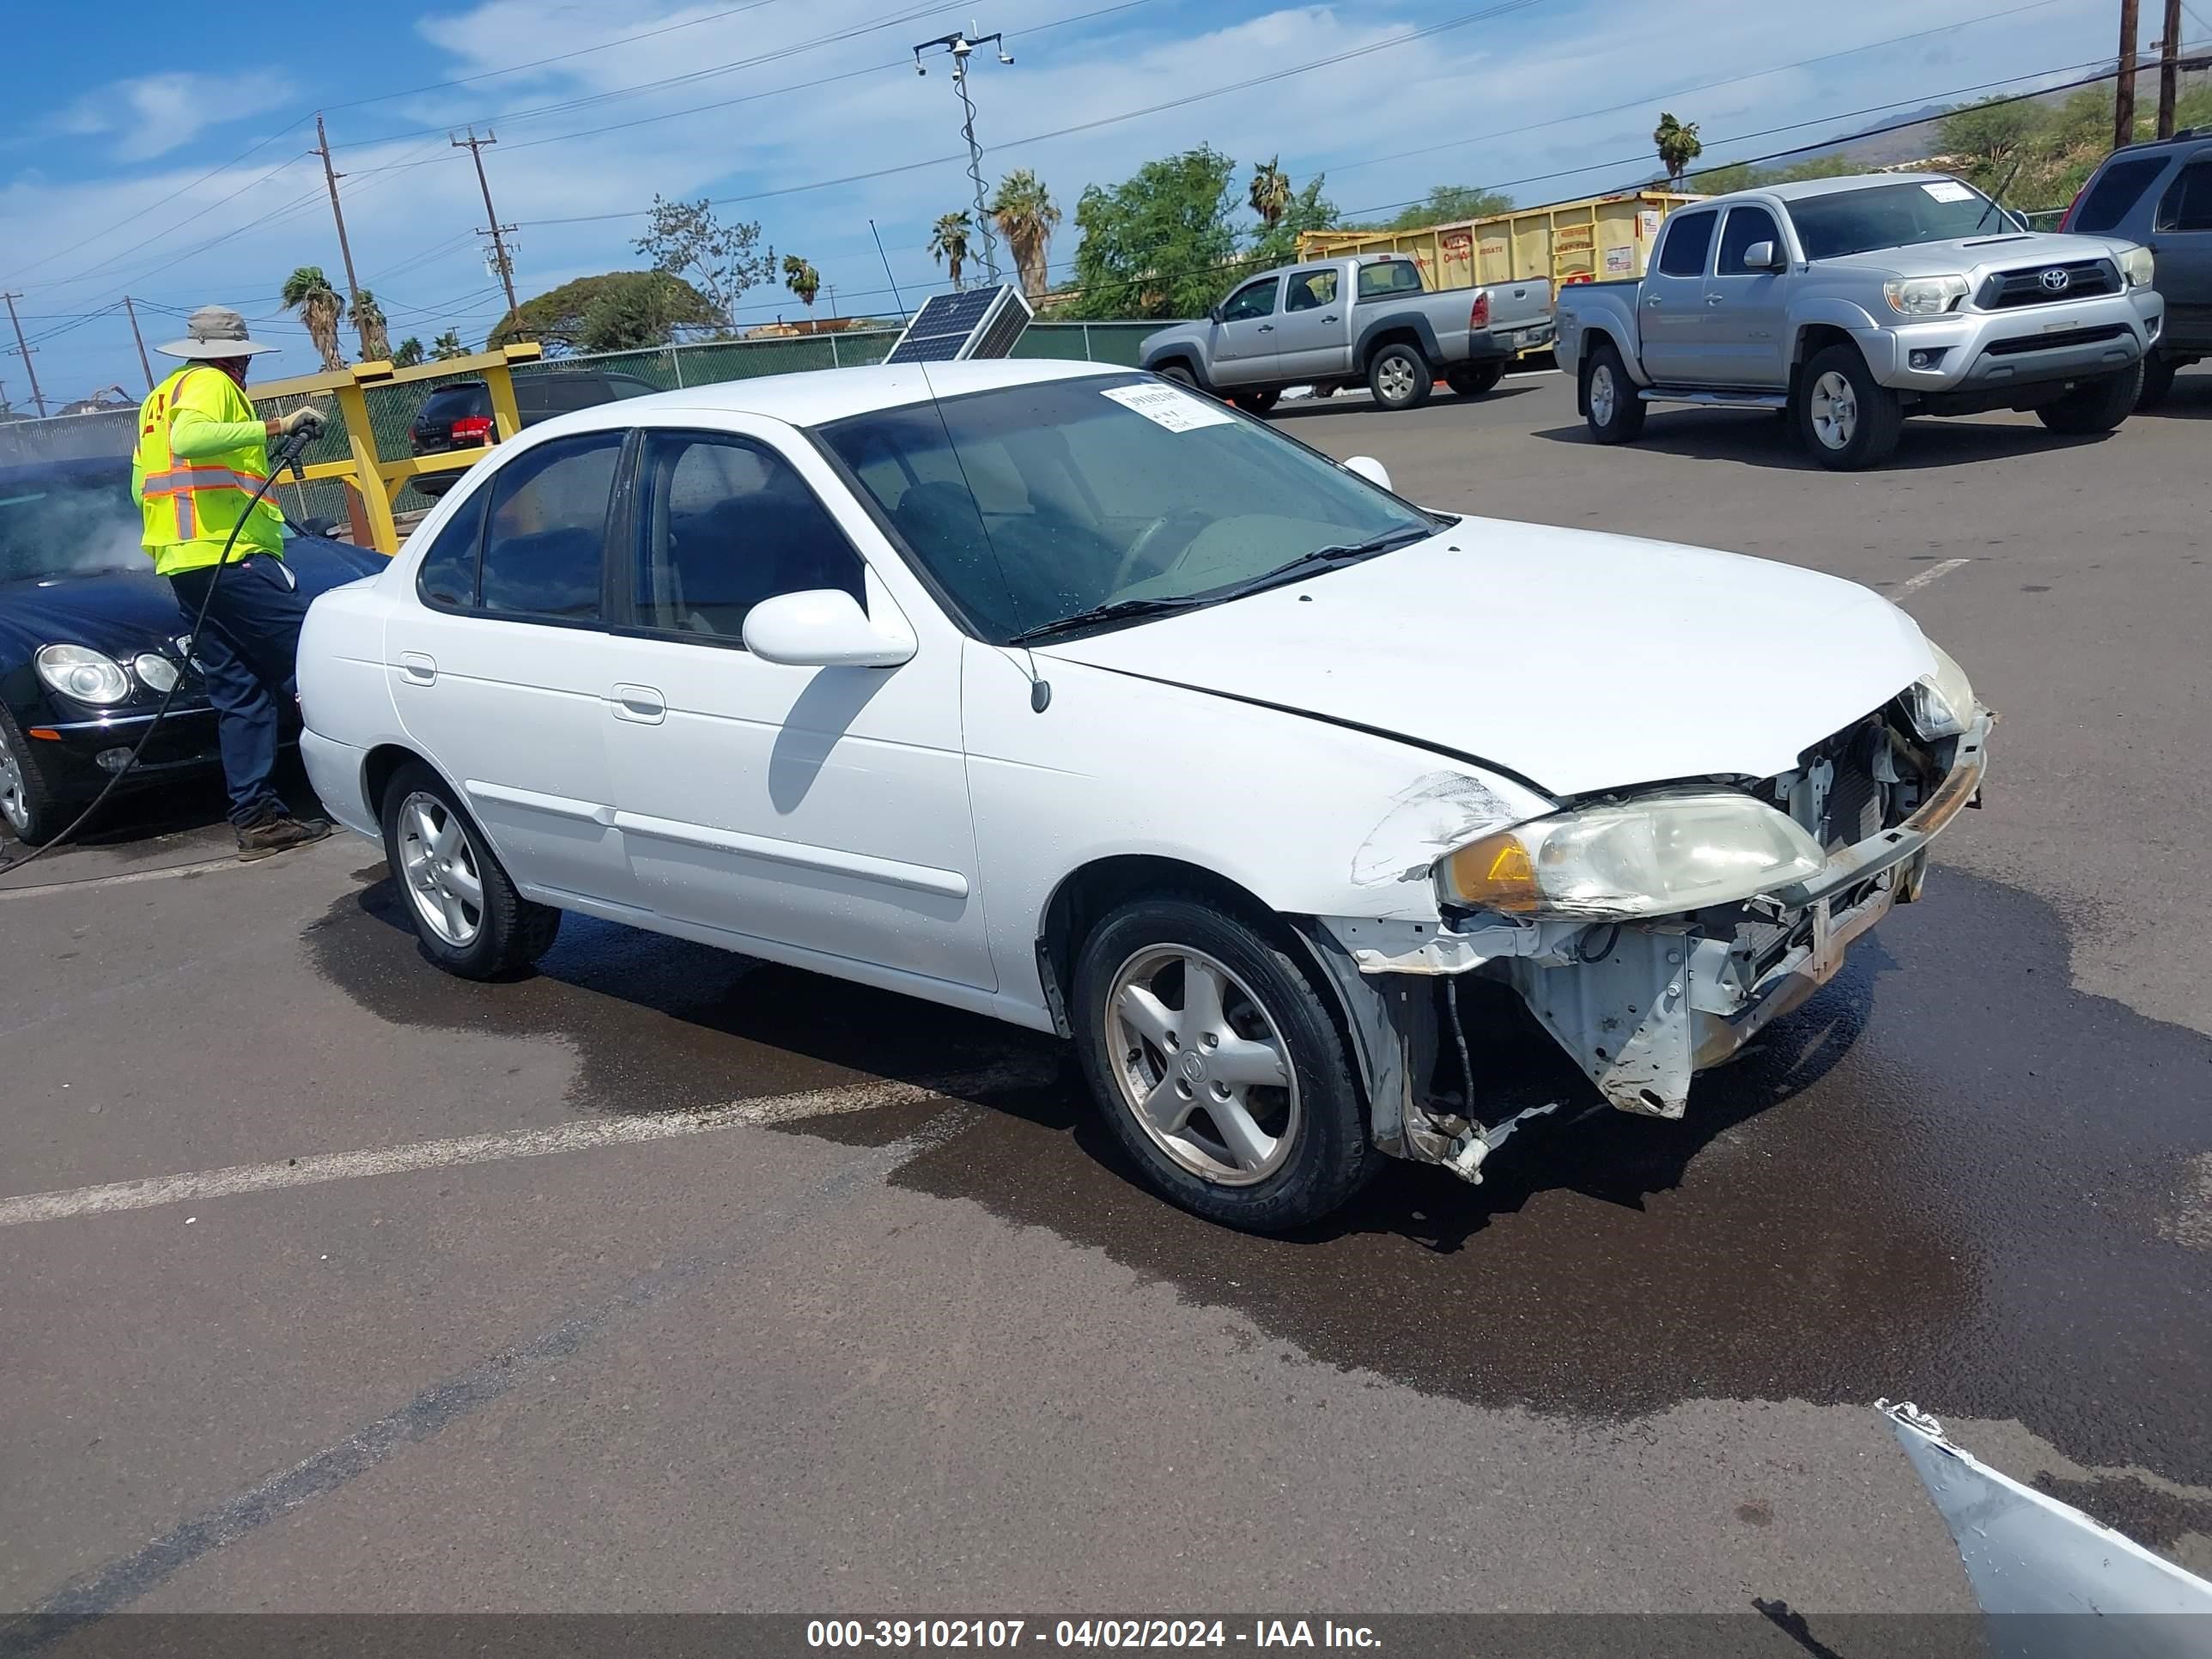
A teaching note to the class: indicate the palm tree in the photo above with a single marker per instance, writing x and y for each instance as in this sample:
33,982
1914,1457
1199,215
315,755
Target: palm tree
1270,194
408,353
803,279
447,344
368,321
1678,145
1025,215
948,243
308,292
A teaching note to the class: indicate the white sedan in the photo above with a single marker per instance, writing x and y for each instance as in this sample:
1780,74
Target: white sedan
1064,695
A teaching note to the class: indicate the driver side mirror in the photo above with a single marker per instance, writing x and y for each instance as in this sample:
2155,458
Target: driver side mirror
825,628
1213,313
1367,467
1763,256
322,527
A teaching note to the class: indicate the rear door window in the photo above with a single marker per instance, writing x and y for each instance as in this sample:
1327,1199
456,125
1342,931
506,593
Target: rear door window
545,545
1689,236
1309,290
2116,192
2187,205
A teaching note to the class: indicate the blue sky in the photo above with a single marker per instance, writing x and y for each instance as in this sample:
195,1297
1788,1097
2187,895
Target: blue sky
131,163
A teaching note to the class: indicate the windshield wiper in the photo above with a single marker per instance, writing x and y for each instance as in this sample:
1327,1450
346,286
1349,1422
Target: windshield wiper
1119,610
1328,558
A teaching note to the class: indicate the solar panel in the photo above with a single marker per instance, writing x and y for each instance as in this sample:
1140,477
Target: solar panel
983,322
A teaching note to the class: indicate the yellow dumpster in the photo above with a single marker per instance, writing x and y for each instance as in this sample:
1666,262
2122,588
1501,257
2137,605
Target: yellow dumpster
1598,239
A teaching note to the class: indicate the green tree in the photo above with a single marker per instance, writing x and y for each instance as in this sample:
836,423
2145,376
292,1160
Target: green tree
1678,145
1026,217
618,310
802,279
720,262
1453,204
1269,192
1305,209
1162,243
408,353
948,244
308,292
1738,175
368,321
447,346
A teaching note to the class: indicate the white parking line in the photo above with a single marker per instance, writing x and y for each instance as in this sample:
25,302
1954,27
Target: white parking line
167,872
574,1137
1913,585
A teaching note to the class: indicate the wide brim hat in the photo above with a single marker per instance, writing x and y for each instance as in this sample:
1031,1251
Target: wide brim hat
214,333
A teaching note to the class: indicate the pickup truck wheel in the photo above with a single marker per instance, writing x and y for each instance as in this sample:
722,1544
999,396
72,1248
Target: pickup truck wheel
2158,373
1400,377
2097,405
1256,403
1610,404
1180,376
1214,1057
1473,382
1848,419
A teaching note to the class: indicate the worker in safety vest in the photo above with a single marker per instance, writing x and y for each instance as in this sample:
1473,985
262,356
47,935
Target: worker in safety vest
202,453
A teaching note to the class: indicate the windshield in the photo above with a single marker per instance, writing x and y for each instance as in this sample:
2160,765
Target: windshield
1893,215
68,527
1033,504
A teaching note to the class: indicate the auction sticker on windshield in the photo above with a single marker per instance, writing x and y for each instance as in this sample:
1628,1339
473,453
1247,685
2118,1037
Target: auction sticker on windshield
1163,406
1948,191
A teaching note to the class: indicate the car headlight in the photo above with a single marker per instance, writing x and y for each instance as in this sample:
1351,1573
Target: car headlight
155,671
85,675
2139,266
1923,296
1940,704
1656,857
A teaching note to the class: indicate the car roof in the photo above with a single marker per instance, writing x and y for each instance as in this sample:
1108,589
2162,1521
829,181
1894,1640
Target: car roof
1804,189
816,397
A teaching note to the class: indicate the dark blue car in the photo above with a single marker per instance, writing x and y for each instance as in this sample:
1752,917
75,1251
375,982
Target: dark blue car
90,640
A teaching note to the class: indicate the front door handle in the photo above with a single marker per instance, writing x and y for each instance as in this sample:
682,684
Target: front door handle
1652,301
1330,318
1266,328
1715,299
419,669
641,704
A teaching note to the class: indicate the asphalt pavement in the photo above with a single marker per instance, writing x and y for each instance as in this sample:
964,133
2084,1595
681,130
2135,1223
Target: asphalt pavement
665,1280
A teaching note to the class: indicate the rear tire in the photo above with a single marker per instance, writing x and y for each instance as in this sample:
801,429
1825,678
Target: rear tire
1256,403
1849,419
1610,405
1280,1155
1401,378
28,809
1473,382
2097,405
471,920
2158,373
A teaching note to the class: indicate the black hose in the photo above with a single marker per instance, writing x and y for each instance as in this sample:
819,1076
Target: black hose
287,455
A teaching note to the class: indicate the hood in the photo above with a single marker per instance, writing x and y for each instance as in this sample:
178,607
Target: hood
1976,256
1582,662
118,612
1198,333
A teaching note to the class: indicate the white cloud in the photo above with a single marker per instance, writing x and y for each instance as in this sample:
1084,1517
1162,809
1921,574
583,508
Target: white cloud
154,114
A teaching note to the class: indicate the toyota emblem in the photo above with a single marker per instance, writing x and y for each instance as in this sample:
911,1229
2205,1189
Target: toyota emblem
2056,280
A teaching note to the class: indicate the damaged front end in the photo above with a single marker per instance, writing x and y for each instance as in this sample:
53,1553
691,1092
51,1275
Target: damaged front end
1653,935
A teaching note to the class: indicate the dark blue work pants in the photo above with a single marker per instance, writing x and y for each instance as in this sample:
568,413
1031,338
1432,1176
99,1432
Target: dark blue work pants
248,650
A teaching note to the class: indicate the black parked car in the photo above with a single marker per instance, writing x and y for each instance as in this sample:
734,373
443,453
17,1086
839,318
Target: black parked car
459,416
2159,194
91,639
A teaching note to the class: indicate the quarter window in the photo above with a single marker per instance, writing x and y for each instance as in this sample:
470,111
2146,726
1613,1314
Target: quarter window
2188,202
1256,300
546,541
2116,192
1746,226
447,577
1689,235
729,523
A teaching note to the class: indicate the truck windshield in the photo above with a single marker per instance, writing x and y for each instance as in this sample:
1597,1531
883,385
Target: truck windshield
1893,215
1030,505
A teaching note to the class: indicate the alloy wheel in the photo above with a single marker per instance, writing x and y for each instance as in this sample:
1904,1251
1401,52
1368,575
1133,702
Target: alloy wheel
1395,380
1602,394
1202,1065
1835,409
438,867
15,791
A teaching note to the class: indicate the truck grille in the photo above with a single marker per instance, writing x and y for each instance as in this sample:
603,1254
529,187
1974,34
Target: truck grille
2071,337
2038,285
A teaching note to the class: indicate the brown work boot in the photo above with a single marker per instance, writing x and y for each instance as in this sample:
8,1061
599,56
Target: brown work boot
278,833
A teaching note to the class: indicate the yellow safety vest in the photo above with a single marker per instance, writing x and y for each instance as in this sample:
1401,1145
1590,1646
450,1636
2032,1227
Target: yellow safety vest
191,506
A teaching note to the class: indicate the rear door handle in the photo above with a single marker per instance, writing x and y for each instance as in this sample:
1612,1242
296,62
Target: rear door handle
1715,299
1652,301
1330,318
419,669
641,704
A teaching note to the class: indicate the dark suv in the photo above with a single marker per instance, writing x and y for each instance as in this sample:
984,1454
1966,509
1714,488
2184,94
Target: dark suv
459,416
2159,194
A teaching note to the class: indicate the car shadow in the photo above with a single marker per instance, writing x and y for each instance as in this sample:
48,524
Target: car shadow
1757,438
2190,400
1306,408
142,824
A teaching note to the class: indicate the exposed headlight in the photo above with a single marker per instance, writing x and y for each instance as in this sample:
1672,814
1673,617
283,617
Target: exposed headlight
1656,857
83,674
1941,704
1924,296
2139,266
155,671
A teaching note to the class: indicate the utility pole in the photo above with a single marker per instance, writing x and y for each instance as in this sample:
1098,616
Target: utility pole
2123,97
140,339
502,260
23,350
2169,67
345,249
959,46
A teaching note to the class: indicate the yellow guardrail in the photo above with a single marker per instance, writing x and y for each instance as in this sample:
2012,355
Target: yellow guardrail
375,481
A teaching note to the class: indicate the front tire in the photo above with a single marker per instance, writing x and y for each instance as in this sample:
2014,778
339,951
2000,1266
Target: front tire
1215,1061
2158,373
1610,405
466,913
28,810
1256,403
1475,381
1400,377
1849,419
1180,376
2098,405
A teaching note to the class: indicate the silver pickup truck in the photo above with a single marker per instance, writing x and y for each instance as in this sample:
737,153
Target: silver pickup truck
1851,303
1330,323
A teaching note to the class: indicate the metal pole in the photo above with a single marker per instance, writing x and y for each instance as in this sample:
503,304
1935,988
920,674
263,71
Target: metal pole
676,358
2123,97
345,248
834,361
474,145
1087,355
140,339
23,350
960,47
2169,69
